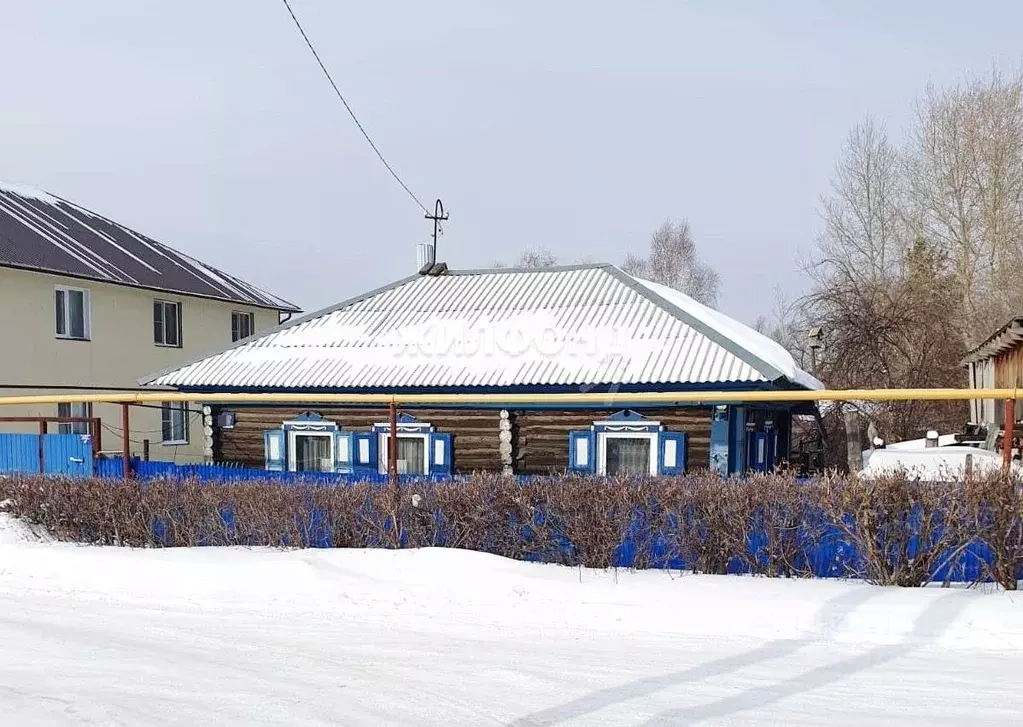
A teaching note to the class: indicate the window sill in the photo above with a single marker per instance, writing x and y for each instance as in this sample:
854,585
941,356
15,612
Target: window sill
174,442
166,345
72,338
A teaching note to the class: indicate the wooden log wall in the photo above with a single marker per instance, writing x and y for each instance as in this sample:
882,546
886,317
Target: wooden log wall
541,436
474,433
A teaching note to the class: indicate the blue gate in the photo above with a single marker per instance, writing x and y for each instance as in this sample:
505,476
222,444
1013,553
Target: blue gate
62,454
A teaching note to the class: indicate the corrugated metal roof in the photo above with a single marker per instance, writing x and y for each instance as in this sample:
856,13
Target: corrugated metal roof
43,232
1004,339
587,325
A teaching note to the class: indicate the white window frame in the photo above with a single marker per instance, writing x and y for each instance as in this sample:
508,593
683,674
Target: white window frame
180,327
65,313
81,428
179,406
602,438
385,439
252,324
294,434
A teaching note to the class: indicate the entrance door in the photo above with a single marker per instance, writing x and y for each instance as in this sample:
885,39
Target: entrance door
761,451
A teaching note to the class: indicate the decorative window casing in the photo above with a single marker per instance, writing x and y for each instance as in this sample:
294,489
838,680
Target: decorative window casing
72,313
311,443
421,449
627,445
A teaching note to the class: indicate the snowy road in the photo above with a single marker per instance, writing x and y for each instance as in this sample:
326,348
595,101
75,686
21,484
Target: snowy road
234,636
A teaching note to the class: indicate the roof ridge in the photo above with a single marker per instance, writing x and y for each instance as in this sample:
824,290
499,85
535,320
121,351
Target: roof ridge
51,234
766,369
551,269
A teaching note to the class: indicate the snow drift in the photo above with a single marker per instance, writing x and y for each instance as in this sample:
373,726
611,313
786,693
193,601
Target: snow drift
261,636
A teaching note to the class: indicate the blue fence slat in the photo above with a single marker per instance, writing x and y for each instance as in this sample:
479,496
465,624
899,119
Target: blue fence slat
19,453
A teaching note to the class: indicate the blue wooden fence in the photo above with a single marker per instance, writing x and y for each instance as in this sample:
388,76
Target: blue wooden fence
822,548
221,472
63,454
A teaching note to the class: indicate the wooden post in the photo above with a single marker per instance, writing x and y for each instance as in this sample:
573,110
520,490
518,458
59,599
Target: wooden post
392,445
42,438
1008,430
125,441
97,436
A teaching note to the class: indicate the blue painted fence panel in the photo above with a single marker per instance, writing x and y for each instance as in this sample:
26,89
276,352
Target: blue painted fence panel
68,454
63,454
19,453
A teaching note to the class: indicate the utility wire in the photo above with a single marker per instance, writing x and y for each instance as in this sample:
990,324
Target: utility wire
349,108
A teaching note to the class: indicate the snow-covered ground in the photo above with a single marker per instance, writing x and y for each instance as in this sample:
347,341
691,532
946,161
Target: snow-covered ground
237,636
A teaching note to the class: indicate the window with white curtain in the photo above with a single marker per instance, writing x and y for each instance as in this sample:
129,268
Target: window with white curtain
313,451
626,454
412,453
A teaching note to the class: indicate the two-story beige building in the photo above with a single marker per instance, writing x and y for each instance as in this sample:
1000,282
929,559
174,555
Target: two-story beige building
88,305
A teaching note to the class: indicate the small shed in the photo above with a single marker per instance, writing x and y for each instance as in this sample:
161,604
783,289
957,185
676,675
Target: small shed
997,363
584,328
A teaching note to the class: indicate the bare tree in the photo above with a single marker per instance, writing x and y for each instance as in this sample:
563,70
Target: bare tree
673,261
880,292
863,240
966,175
533,259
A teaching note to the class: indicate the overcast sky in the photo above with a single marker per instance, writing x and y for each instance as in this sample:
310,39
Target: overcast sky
574,125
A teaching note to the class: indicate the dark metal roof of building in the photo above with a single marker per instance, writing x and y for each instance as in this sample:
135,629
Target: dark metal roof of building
45,233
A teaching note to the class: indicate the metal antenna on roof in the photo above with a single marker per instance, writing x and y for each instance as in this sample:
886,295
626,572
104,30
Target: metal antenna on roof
438,216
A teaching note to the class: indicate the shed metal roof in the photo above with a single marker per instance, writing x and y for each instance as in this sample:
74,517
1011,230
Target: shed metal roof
1004,339
583,325
45,233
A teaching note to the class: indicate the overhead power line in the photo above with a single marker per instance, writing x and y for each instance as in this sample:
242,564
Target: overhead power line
349,108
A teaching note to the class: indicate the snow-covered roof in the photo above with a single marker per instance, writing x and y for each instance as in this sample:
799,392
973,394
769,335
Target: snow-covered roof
1005,338
40,231
944,440
934,464
574,326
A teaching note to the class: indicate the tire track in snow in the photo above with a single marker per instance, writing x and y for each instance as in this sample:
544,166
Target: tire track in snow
829,617
932,622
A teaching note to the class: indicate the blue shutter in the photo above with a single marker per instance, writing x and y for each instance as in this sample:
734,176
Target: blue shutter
274,449
440,453
671,457
364,452
344,451
581,457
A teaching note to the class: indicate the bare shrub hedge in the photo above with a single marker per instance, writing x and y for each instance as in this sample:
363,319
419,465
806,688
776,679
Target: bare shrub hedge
890,531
